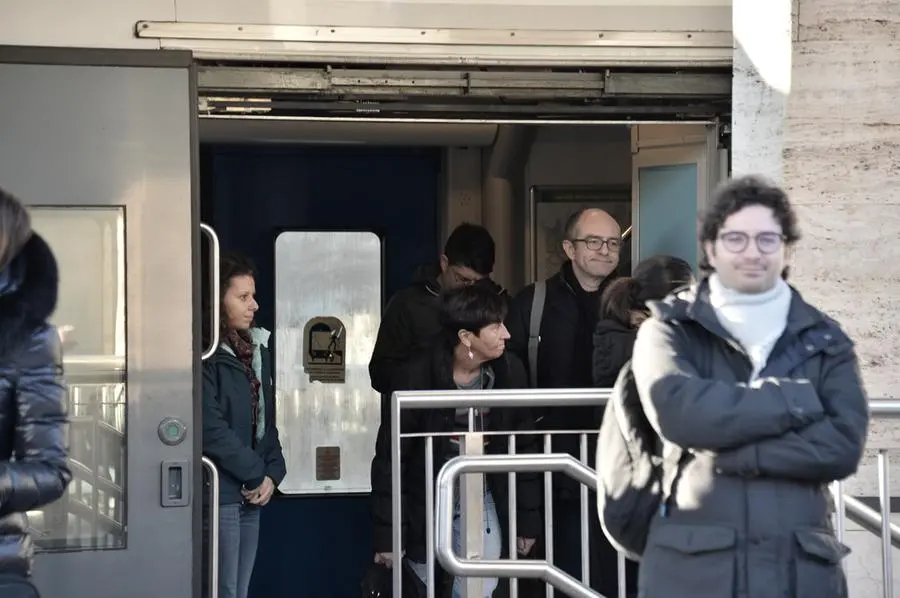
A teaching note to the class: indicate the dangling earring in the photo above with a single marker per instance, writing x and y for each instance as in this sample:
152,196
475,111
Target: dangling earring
470,355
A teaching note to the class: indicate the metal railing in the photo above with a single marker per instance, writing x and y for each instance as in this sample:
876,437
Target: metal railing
213,527
535,569
471,486
473,464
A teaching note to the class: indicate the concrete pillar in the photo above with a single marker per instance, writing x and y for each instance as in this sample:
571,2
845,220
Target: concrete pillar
761,85
831,135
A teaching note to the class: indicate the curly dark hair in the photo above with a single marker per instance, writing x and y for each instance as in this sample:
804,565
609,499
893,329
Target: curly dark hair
735,195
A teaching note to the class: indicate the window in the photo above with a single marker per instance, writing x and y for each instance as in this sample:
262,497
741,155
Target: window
89,245
327,311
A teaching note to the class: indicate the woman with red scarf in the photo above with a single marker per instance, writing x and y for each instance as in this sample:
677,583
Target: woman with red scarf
239,432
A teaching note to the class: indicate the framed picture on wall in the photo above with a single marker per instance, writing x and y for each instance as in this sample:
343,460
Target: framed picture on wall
551,208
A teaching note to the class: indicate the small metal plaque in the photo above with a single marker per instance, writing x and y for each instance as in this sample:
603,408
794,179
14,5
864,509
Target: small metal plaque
328,463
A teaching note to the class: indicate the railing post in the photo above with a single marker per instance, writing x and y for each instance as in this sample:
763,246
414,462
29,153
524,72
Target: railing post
396,494
471,510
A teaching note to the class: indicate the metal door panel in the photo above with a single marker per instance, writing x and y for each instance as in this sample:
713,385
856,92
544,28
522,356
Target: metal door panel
110,147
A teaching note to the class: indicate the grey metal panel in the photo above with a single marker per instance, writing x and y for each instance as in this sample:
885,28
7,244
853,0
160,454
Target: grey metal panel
95,57
118,136
327,274
238,129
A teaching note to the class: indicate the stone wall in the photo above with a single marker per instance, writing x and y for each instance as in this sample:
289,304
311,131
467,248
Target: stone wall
834,140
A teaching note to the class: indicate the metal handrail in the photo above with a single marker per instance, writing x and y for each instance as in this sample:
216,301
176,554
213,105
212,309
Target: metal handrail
535,569
869,519
443,399
213,527
885,408
214,290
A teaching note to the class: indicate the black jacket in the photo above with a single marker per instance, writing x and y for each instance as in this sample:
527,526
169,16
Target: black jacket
426,373
750,498
228,426
613,346
566,349
409,325
32,402
565,355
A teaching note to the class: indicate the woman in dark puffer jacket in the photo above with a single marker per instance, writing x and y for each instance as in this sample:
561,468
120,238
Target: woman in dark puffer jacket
33,469
623,307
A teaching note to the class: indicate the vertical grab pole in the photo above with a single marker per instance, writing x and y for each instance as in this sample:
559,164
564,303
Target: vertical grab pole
214,267
429,516
213,527
548,511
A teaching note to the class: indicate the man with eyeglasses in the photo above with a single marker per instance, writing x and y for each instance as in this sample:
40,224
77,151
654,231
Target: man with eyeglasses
410,320
757,397
563,338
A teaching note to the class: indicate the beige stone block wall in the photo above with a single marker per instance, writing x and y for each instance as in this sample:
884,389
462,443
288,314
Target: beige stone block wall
834,141
841,164
842,167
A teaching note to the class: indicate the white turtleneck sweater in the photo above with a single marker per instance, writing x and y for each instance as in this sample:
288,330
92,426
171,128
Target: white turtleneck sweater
755,320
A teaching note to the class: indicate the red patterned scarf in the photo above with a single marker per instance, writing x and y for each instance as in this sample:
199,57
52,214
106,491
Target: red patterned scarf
242,345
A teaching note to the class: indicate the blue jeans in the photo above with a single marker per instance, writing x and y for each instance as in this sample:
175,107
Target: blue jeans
493,544
238,539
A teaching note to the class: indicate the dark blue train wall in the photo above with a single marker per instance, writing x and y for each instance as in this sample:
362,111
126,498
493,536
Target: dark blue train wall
319,547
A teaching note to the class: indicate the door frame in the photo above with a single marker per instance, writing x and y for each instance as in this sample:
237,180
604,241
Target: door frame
693,147
155,59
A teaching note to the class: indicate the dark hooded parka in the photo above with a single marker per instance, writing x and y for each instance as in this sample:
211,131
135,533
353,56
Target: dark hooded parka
748,464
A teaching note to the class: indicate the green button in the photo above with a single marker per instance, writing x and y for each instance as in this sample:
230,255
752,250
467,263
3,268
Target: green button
173,430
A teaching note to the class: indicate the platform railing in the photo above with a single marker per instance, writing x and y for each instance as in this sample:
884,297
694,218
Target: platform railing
471,486
463,476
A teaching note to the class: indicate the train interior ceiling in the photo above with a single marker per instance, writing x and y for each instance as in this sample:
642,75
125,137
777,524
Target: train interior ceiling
339,197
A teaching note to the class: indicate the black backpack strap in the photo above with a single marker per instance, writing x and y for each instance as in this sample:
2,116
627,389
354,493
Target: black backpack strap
534,329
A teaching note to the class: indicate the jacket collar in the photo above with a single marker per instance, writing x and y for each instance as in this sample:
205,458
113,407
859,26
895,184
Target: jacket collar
566,276
692,304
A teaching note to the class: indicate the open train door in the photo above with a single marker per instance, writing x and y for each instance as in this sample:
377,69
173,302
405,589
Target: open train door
674,169
101,145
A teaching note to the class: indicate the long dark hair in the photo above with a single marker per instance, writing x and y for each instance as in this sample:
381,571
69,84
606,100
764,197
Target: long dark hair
470,307
625,299
231,264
